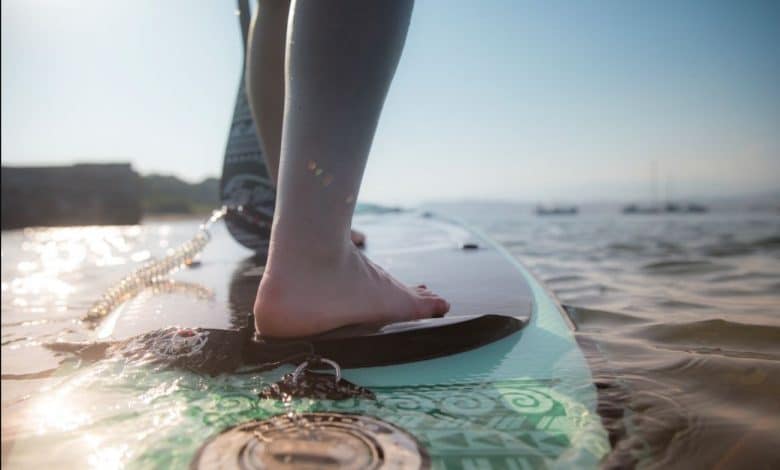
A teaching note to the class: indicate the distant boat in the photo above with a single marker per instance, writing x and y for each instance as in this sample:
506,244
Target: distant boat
557,210
686,208
668,208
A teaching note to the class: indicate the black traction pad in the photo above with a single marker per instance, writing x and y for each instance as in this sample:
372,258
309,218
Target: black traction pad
393,344
225,351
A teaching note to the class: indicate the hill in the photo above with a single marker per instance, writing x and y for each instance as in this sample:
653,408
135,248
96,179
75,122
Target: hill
165,194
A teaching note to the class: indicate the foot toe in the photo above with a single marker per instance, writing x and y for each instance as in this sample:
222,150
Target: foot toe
433,306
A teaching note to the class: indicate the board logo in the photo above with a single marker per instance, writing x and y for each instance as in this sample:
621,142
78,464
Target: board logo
313,440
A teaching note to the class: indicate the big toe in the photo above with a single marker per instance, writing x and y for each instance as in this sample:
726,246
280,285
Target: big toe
432,306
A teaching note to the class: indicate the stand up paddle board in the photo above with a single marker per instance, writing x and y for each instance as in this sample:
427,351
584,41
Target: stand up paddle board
521,396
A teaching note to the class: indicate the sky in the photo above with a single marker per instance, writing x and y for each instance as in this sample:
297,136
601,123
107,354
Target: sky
503,99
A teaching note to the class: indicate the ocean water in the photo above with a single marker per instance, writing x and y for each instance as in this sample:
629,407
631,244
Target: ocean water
679,316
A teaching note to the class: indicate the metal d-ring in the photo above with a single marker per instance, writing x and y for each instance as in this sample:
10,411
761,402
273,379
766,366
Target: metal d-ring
299,370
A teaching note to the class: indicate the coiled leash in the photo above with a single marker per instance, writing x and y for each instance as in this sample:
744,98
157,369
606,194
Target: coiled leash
156,272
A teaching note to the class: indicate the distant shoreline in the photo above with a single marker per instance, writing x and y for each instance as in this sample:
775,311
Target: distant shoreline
99,194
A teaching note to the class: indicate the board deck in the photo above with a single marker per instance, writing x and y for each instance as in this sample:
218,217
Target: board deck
525,401
220,290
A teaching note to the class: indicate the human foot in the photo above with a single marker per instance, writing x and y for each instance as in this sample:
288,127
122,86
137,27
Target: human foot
358,238
303,296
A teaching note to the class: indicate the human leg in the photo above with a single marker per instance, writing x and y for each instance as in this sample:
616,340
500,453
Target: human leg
265,82
341,56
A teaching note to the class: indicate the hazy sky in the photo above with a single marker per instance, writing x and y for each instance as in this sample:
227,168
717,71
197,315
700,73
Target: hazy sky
511,99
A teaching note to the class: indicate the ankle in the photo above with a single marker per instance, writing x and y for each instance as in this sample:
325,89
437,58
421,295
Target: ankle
292,255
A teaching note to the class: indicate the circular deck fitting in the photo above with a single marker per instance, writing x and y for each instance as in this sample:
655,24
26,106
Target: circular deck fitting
312,440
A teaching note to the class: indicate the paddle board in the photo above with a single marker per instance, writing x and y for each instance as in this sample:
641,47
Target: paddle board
524,401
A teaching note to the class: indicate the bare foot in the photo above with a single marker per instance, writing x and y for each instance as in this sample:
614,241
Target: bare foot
309,295
358,238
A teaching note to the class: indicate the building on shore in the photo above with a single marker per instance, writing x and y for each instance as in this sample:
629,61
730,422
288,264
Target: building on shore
84,194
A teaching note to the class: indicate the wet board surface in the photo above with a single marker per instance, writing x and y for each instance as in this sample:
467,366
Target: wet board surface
220,290
525,401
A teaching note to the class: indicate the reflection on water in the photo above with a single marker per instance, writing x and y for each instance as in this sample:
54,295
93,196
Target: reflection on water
683,313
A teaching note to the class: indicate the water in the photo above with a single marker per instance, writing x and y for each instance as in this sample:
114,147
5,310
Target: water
684,312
